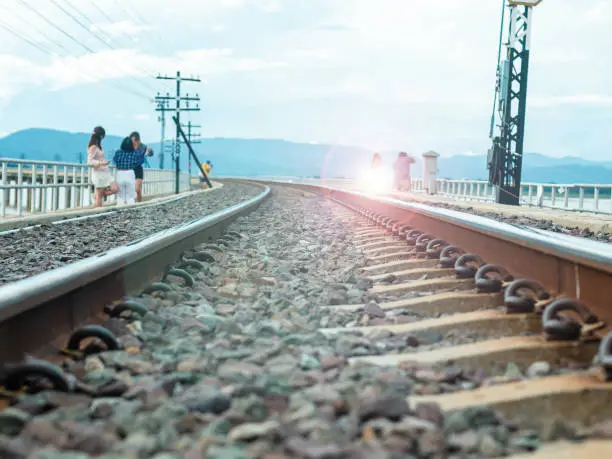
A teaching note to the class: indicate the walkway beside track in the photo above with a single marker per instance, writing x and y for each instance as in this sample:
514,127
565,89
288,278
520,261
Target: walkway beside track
50,217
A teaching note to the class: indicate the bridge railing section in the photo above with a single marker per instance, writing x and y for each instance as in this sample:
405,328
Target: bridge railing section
584,197
37,187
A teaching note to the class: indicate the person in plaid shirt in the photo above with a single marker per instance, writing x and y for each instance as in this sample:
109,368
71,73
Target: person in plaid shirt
143,151
126,159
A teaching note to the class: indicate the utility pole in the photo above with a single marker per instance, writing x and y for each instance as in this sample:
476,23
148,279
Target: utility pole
162,144
191,134
505,158
181,105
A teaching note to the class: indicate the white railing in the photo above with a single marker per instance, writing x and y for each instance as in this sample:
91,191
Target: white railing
582,197
32,187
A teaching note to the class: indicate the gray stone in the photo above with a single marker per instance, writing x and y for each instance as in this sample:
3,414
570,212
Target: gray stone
227,452
456,422
431,442
392,407
467,442
513,372
489,446
374,310
308,362
248,432
12,421
538,369
210,320
238,371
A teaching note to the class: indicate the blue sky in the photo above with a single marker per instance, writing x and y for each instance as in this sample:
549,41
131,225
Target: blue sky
383,74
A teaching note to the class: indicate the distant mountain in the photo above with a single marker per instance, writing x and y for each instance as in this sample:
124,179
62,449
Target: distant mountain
279,157
51,145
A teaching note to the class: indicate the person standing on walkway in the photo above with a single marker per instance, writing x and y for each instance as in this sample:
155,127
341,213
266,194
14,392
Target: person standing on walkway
207,168
127,159
401,170
143,151
100,174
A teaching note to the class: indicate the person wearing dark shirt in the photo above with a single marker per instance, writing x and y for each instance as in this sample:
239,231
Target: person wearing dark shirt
144,151
127,159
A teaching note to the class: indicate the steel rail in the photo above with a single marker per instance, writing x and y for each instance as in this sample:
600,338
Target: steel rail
36,310
567,265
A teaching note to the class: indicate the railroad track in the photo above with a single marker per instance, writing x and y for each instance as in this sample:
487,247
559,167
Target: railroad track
480,321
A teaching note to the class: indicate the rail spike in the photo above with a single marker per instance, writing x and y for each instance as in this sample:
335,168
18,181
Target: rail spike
485,284
127,305
449,256
435,247
562,328
73,347
524,295
189,282
422,241
464,268
15,377
412,237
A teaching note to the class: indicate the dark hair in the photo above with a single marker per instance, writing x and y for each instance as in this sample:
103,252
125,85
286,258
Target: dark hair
96,137
127,145
135,135
208,162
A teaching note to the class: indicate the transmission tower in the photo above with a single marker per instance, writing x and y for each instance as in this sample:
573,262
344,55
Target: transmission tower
505,158
182,104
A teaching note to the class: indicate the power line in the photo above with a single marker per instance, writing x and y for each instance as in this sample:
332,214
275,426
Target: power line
88,30
34,27
138,18
112,21
56,27
117,85
12,31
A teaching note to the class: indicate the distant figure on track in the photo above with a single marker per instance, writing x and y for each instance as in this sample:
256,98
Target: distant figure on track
401,170
143,151
101,177
127,159
207,168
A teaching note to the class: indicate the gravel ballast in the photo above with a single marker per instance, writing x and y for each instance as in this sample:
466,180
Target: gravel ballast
28,252
235,367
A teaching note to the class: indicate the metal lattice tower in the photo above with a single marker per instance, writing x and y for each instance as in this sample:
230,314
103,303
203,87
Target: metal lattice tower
506,155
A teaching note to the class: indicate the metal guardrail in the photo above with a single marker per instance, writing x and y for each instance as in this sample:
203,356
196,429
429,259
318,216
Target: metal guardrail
581,197
37,187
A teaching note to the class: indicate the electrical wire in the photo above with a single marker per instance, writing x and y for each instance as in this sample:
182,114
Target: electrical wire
112,21
95,35
34,27
138,19
12,31
46,50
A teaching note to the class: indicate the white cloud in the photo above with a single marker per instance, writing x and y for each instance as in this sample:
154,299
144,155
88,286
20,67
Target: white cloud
601,100
314,53
142,117
121,28
59,73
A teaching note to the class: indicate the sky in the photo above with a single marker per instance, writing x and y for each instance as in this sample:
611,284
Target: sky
382,74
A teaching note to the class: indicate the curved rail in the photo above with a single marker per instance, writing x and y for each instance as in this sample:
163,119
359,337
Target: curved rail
36,310
566,265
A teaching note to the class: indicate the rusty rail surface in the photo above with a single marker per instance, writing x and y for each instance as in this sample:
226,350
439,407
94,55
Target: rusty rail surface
36,310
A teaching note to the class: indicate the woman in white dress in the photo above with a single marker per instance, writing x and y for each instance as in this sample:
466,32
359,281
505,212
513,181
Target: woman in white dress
101,177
